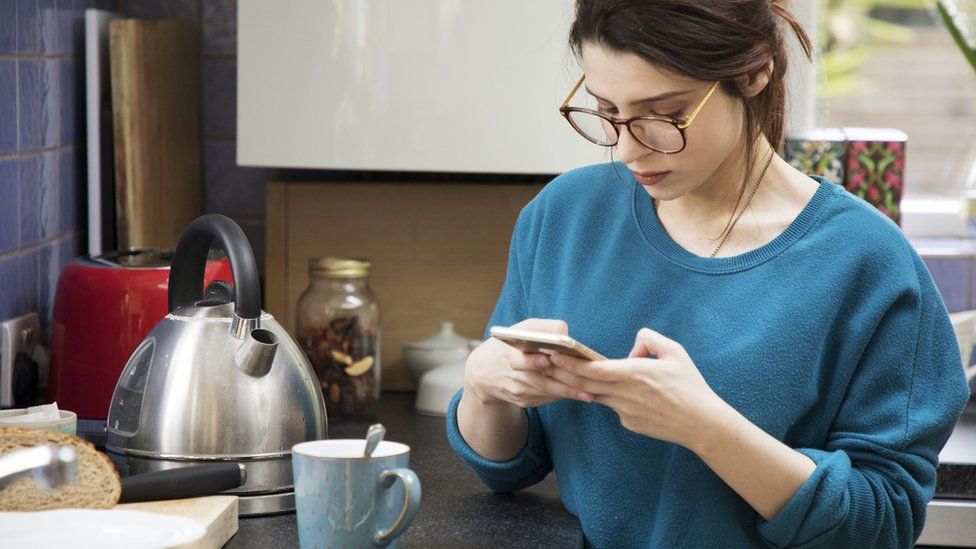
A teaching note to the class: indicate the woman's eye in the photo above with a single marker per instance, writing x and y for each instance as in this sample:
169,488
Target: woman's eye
674,114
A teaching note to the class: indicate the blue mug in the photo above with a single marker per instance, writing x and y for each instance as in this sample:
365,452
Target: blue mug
345,499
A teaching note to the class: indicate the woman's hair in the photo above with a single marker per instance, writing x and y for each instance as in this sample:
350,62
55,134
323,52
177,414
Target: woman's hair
706,40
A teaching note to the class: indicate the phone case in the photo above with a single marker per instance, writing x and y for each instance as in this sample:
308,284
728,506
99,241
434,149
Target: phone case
545,343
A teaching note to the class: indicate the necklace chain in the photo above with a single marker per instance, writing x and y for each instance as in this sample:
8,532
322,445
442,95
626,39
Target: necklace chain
742,211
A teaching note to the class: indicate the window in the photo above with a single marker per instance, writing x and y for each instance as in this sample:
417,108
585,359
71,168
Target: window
893,63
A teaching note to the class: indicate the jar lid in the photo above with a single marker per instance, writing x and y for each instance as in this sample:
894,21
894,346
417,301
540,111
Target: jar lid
339,266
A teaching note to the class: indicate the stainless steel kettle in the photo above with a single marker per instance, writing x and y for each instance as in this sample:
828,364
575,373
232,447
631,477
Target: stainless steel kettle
217,380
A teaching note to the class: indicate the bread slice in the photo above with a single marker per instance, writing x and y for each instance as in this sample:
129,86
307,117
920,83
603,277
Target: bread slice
96,486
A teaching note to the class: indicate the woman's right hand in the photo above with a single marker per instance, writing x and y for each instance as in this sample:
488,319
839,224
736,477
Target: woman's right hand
497,372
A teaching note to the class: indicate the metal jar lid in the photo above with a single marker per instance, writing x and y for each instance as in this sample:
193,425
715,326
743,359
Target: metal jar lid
339,267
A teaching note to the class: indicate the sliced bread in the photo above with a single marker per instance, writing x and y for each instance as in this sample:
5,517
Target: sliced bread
96,486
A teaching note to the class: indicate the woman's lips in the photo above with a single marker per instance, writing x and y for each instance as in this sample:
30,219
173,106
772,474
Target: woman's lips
649,178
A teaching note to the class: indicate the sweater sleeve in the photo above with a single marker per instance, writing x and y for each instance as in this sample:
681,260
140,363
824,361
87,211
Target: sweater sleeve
533,463
876,471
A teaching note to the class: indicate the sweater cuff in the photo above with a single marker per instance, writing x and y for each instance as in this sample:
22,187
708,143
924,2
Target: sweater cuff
500,476
801,520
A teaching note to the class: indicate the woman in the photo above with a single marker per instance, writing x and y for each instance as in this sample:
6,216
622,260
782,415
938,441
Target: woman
791,373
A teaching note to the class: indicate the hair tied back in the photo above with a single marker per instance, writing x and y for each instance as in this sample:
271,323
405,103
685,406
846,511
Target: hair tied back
801,35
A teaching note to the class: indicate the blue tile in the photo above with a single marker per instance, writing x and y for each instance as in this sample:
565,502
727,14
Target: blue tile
228,188
71,101
38,109
8,107
48,271
53,258
70,174
953,279
37,27
71,27
9,204
220,98
39,202
8,27
48,19
29,280
9,287
219,27
28,27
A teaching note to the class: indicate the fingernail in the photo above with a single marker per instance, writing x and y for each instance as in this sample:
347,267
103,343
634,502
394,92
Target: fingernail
556,359
585,397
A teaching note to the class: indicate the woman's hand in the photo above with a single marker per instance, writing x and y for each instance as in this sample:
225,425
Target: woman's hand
665,397
497,372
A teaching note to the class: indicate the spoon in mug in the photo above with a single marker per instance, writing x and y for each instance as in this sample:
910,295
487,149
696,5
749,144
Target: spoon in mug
373,437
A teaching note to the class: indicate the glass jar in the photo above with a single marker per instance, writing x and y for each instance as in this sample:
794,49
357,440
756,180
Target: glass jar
338,327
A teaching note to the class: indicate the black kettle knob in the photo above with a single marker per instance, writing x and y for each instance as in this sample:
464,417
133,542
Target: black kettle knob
190,261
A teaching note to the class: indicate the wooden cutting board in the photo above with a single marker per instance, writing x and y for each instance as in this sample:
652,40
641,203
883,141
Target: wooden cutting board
218,514
156,120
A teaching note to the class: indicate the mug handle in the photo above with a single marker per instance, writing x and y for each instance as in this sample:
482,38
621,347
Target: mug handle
411,502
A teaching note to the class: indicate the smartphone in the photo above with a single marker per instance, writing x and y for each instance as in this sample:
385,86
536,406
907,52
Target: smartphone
529,341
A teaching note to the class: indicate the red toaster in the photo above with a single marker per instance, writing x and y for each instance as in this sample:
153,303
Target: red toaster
103,308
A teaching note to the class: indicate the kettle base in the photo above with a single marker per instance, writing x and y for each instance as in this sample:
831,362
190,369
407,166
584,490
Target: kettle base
267,491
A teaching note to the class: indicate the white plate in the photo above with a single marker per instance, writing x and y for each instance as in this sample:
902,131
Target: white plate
108,528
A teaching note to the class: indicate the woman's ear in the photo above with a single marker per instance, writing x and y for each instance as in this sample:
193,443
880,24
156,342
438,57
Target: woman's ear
752,84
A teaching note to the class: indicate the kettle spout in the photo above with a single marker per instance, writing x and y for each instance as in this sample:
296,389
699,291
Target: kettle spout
255,355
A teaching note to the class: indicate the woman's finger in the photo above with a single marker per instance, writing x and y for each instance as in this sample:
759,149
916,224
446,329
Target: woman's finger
599,370
581,383
551,386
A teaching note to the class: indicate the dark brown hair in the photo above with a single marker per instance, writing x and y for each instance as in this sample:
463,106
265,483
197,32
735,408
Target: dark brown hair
706,40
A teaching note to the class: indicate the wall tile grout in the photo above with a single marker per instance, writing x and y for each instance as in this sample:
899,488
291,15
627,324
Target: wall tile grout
38,245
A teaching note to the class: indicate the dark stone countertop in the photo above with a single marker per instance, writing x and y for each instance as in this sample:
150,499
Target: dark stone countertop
456,509
956,475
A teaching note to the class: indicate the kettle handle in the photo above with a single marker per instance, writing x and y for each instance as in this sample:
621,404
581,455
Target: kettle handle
190,260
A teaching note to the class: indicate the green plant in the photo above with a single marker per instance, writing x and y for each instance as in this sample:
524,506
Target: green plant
850,35
959,17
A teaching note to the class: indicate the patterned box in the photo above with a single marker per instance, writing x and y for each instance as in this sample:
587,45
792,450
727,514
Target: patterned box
820,151
875,167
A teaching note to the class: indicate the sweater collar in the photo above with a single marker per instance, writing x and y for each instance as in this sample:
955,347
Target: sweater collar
656,235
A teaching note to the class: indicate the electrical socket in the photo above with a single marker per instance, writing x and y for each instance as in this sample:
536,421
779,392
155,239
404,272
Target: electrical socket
17,334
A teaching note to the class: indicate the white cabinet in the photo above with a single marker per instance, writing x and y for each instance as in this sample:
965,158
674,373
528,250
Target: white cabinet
414,85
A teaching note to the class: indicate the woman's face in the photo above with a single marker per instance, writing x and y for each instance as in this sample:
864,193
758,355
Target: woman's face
621,83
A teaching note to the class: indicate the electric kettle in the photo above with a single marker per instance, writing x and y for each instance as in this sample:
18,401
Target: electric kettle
217,380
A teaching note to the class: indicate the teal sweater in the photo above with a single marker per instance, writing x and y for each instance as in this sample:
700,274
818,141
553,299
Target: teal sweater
832,338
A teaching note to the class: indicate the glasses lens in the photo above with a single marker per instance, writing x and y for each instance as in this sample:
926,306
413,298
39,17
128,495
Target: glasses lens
659,135
594,128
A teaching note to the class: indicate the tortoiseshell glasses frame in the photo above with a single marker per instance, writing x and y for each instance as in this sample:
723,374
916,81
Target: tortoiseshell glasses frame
647,125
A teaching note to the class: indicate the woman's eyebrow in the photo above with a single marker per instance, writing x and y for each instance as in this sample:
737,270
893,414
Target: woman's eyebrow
660,97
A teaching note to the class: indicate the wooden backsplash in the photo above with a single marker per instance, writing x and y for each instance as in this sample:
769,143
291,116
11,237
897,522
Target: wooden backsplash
438,252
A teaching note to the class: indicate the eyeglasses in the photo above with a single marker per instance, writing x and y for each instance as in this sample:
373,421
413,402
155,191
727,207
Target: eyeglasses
660,133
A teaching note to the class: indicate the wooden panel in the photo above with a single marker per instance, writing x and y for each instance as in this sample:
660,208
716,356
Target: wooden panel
218,514
439,252
156,112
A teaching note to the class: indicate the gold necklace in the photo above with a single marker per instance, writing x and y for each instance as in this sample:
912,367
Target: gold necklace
748,200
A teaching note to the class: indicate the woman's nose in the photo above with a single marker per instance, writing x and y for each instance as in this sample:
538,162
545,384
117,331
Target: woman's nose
630,149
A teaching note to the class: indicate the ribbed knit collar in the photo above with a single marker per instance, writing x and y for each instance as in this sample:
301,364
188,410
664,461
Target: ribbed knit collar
651,227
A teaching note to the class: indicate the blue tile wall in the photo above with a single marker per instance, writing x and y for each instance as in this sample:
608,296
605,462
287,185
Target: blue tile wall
8,106
9,204
8,27
38,103
42,149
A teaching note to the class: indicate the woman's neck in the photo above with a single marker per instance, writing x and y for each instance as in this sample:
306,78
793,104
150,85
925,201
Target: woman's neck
714,203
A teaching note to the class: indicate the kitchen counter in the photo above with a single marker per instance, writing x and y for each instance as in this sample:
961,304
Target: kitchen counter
456,509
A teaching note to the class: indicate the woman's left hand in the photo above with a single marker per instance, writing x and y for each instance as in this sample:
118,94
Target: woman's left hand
665,397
